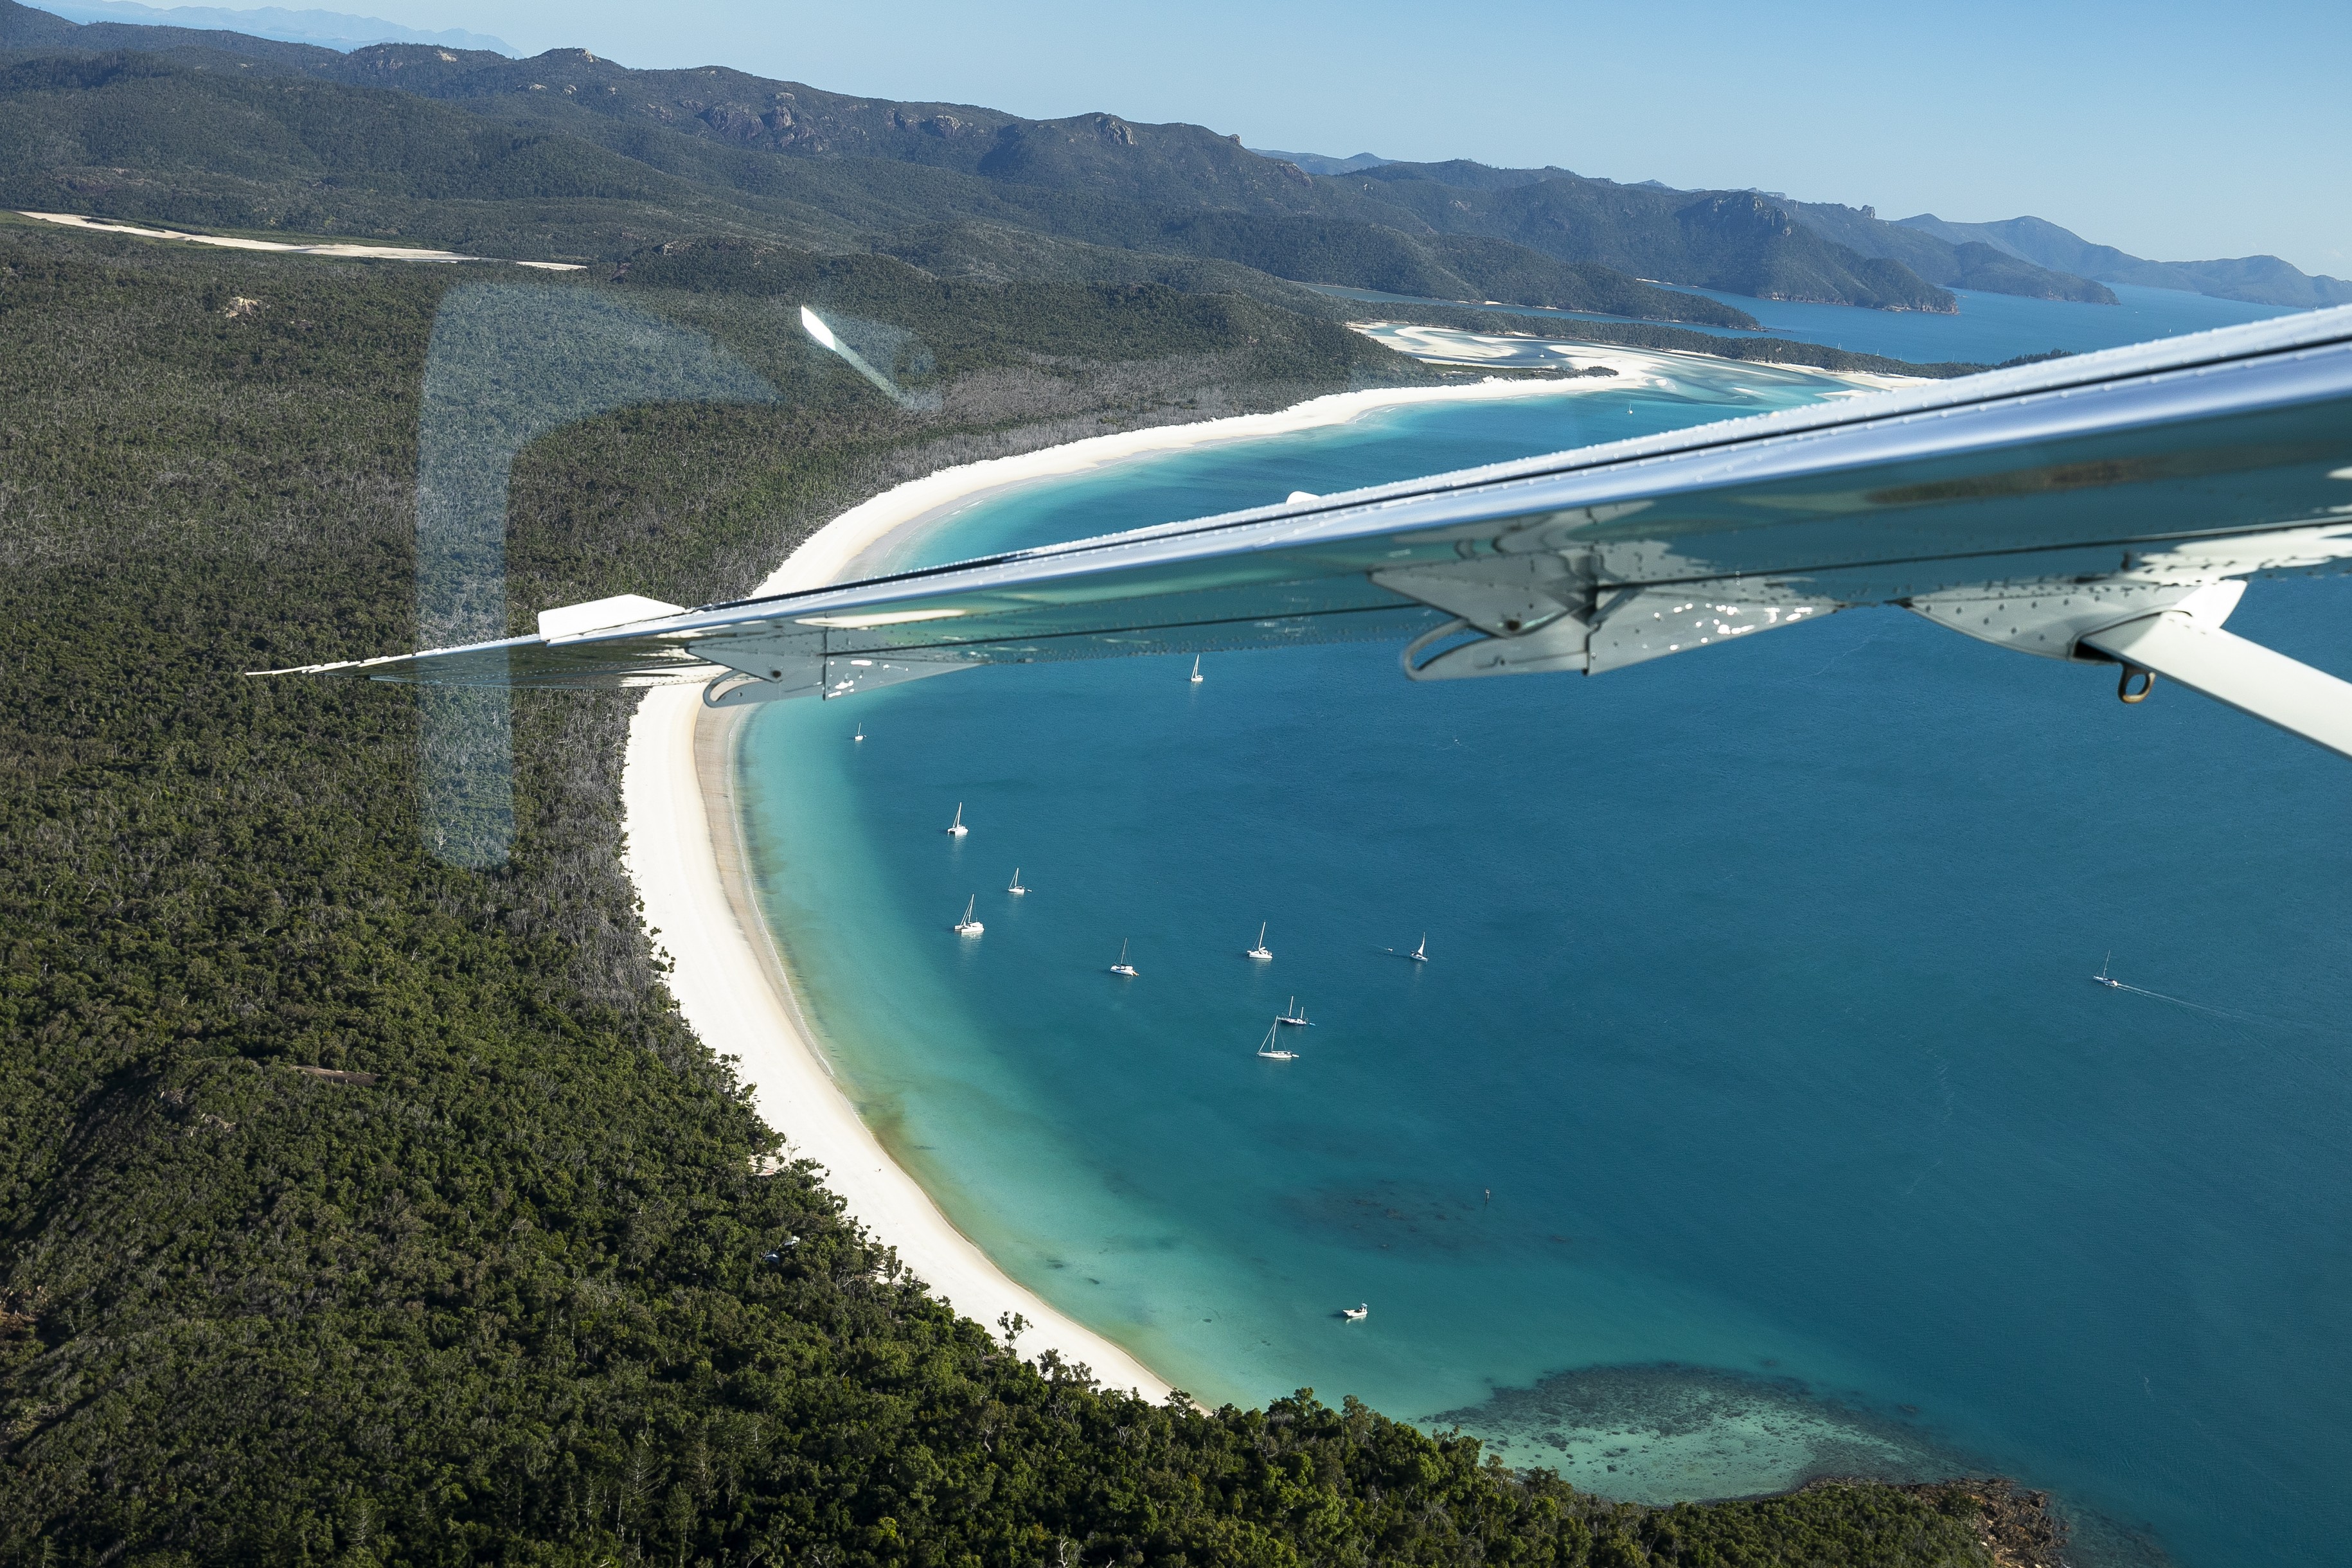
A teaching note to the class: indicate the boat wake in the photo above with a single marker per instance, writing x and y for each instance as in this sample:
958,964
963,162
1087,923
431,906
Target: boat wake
2104,978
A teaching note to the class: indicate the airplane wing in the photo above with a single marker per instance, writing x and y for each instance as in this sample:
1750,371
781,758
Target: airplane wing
2104,507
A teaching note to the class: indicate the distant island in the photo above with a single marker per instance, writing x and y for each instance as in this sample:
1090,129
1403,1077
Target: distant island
2260,279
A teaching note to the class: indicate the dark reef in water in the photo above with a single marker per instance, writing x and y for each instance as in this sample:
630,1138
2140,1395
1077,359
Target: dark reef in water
1590,1416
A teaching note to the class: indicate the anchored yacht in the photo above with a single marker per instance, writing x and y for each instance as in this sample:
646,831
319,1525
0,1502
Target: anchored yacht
1261,950
1272,1052
1123,966
1356,1314
1294,1013
967,926
956,829
1016,887
1196,669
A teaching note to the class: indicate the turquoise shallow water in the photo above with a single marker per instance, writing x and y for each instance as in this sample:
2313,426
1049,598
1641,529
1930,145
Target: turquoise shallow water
1753,1116
1989,329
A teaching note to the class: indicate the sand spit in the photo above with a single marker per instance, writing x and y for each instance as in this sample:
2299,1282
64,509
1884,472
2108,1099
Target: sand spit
344,252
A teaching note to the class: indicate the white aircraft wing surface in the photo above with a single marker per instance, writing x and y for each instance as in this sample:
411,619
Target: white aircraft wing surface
2104,507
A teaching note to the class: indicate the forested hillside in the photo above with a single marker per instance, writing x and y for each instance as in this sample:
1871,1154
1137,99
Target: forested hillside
358,1209
712,150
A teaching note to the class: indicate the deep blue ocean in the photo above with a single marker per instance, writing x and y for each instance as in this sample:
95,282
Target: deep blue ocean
1753,1116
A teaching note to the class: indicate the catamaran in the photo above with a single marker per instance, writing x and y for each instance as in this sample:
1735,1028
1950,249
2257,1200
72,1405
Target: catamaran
1196,669
1016,887
1293,1015
1270,1051
1261,950
2101,978
1123,966
967,926
956,829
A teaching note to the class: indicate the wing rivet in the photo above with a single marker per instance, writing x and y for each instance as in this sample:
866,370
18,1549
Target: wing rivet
2146,678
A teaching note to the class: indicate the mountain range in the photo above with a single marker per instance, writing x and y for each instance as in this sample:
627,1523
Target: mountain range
568,156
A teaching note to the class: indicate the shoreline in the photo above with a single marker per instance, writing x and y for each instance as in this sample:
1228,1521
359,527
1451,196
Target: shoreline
685,854
871,532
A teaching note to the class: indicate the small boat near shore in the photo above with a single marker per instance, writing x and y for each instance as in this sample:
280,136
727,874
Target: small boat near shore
967,926
1261,951
956,829
1123,967
1268,1051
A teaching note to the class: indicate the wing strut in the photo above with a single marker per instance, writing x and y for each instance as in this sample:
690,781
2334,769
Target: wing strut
2247,676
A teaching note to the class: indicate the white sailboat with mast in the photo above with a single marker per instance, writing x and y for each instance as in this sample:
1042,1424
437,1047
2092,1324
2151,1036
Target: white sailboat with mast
1016,887
1294,1016
1123,966
968,926
1196,669
1261,951
1268,1051
956,829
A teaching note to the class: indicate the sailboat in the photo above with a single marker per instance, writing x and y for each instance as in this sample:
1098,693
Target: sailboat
1016,887
1196,669
1261,950
2102,977
861,733
1267,1049
1123,966
1292,1015
1420,955
956,829
967,926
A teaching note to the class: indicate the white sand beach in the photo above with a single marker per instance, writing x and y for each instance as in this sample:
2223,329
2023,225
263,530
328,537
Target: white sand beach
686,855
1628,367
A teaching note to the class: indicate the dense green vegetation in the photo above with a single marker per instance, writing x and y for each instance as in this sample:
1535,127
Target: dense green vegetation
358,1209
1443,267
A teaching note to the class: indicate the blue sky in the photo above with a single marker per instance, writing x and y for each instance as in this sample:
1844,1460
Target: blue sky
2174,130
